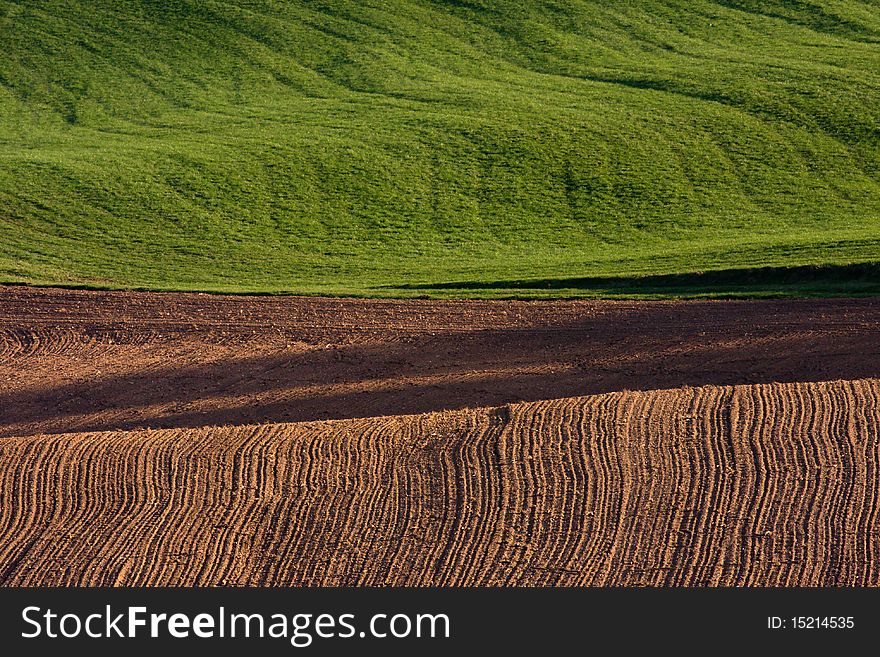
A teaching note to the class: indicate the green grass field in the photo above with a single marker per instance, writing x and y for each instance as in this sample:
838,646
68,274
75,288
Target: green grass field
459,148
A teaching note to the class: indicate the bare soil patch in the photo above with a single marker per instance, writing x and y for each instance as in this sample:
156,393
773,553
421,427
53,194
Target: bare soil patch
186,439
769,484
84,361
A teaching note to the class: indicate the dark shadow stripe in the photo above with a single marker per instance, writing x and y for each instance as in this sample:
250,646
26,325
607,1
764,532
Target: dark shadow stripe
842,279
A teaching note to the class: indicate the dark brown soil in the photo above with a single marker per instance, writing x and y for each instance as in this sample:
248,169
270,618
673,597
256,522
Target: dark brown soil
83,360
490,443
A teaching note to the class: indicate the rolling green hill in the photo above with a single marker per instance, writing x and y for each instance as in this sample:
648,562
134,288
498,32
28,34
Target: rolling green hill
469,147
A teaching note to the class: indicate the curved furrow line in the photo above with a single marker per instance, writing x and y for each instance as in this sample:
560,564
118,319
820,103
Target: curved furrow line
796,524
57,465
342,516
770,484
638,515
39,469
132,545
671,477
867,524
430,541
846,561
467,487
666,480
760,439
79,508
326,540
281,528
374,459
410,512
703,421
684,560
18,346
382,501
812,507
741,483
841,441
745,421
623,481
835,460
527,525
373,454
451,483
307,519
703,450
870,426
130,549
596,460
297,531
589,490
527,529
209,514
831,462
505,454
726,425
159,525
785,437
662,512
258,484
566,511
805,566
623,484
574,515
230,525
675,465
550,501
860,520
156,533
649,564
179,500
19,499
397,515
118,503
484,533
569,489
417,501
498,528
854,499
780,441
783,431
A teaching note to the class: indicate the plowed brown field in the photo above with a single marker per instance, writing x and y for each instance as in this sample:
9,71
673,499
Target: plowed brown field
153,439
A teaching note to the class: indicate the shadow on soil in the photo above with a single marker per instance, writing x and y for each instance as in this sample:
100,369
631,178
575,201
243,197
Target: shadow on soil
627,346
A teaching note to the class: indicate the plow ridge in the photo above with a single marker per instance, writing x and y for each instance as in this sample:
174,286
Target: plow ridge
765,484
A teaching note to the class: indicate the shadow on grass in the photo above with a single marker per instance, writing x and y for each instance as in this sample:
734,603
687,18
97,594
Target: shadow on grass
807,280
601,348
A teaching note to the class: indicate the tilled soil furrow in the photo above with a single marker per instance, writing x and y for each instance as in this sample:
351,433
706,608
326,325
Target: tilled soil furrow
747,485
